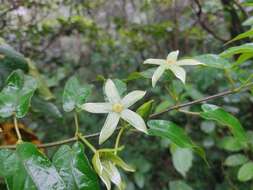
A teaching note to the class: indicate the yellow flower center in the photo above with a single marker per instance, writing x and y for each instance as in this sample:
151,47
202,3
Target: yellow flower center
117,107
170,62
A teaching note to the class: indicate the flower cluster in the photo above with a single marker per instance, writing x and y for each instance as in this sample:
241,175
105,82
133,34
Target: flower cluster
117,108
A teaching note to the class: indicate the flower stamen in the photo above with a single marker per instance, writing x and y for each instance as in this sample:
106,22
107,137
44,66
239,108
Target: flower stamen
170,62
117,107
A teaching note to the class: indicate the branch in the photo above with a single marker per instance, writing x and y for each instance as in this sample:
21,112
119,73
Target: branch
199,14
73,139
221,94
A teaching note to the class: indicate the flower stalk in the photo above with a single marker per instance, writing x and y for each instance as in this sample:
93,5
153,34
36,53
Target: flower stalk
86,142
118,140
17,130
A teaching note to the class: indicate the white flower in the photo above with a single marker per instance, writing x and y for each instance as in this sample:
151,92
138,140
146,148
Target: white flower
117,108
172,64
106,164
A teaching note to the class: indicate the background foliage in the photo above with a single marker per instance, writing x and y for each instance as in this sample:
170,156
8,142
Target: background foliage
98,39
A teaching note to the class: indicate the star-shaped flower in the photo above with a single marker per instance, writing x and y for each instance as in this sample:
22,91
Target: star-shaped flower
117,108
172,64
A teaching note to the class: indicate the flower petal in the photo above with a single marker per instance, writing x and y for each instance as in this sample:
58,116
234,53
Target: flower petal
188,62
111,91
109,127
134,119
97,107
132,97
172,56
154,61
157,75
106,180
178,71
97,164
113,172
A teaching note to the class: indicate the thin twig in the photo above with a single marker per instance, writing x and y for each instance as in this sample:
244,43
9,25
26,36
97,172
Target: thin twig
73,139
205,26
228,92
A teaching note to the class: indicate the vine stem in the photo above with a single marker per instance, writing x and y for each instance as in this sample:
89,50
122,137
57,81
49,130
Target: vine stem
80,136
221,94
17,129
76,124
118,139
85,141
73,139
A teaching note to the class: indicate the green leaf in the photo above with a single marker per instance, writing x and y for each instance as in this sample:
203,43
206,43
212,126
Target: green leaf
215,113
16,95
235,160
118,161
213,60
139,179
175,134
245,173
243,35
28,169
248,21
39,168
133,76
74,168
47,108
171,131
182,159
245,48
244,57
11,59
145,109
179,185
230,144
121,86
74,94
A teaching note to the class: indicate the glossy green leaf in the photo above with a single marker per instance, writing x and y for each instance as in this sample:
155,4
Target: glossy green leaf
213,60
11,59
74,94
39,168
235,160
13,172
245,172
145,109
244,57
171,131
215,113
175,134
245,48
16,95
243,35
74,168
230,144
182,159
